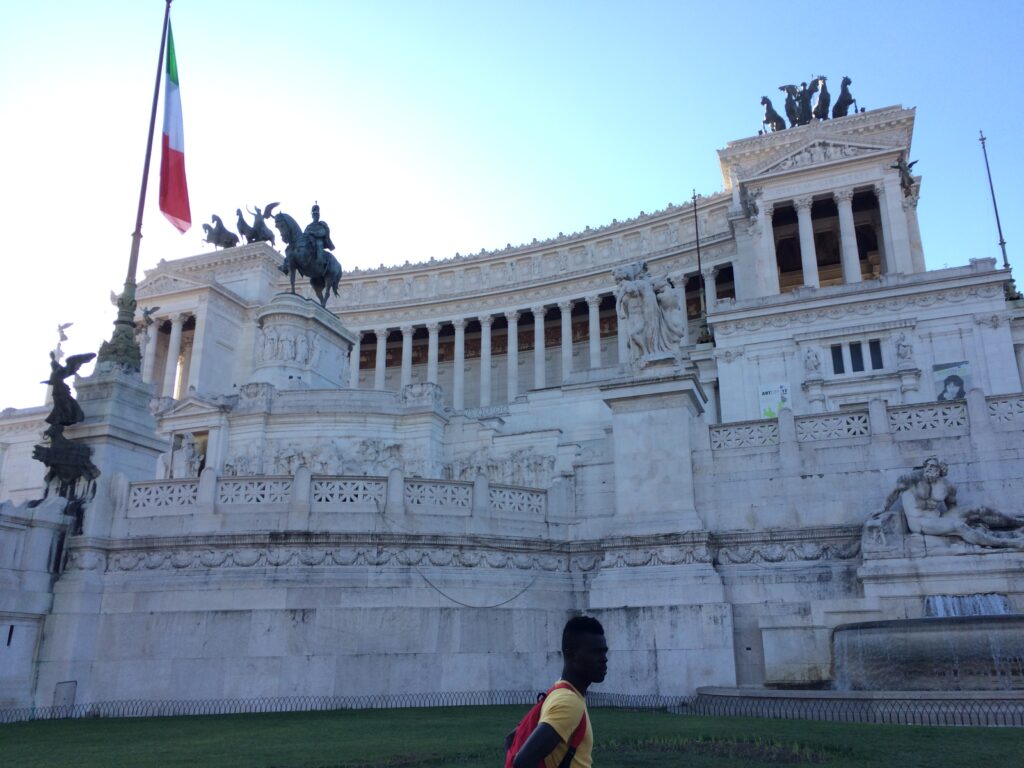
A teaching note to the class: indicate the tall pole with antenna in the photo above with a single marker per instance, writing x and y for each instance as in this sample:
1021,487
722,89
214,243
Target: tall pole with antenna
703,335
992,190
122,349
1011,288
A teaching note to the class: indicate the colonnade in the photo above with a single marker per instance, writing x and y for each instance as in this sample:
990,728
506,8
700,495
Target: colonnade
169,376
486,321
894,242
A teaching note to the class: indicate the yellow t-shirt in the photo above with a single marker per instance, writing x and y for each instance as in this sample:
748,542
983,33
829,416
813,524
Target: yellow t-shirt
562,710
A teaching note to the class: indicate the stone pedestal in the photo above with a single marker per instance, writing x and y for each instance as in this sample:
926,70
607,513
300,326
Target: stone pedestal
300,345
651,432
121,431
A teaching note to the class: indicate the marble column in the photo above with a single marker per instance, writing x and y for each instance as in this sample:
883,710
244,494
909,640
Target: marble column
353,362
808,254
914,232
513,355
768,269
620,332
566,309
538,347
432,329
150,360
406,379
889,264
186,368
173,351
710,287
594,330
459,369
485,360
382,359
196,352
849,256
891,201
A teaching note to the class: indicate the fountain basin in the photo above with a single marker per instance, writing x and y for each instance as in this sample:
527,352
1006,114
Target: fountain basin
956,653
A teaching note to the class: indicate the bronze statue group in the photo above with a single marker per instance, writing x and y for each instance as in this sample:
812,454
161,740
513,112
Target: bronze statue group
802,107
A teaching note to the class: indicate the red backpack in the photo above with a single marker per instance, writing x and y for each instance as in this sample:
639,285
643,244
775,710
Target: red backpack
515,740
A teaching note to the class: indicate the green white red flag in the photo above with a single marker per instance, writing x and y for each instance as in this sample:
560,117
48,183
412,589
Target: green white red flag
173,187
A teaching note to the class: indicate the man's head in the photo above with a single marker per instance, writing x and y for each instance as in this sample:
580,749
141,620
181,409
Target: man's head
584,649
316,213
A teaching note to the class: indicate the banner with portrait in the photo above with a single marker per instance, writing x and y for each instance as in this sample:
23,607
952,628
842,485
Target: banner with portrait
952,380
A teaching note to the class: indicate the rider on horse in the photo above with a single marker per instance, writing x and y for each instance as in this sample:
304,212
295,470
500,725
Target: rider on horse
319,233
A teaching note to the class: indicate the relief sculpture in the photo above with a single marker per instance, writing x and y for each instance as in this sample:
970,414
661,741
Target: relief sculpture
929,508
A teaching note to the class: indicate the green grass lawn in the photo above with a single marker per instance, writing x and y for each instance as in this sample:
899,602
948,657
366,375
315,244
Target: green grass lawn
472,737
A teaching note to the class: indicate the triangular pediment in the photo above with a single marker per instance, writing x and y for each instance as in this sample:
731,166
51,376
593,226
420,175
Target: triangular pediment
162,284
821,152
193,406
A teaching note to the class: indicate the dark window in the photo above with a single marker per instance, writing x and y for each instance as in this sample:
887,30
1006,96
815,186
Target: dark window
837,359
875,347
856,357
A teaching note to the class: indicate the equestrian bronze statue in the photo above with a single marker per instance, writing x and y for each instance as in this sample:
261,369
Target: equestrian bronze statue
308,252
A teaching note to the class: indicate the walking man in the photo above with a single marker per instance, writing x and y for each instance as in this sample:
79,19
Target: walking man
564,718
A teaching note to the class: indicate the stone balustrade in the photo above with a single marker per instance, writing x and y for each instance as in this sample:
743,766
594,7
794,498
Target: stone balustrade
325,494
902,422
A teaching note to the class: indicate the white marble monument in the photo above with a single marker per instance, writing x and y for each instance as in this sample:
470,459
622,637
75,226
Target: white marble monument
417,485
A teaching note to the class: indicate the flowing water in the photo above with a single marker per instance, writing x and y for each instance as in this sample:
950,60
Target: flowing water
980,647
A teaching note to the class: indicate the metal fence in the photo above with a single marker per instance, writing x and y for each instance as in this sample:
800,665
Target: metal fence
992,712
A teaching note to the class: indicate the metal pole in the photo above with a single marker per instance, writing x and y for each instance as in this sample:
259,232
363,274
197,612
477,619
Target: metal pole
703,335
122,348
992,190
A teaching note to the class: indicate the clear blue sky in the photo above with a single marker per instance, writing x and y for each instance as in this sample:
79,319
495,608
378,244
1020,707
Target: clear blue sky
429,128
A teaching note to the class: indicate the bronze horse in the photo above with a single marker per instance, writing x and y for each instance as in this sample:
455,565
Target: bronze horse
772,118
300,255
219,234
824,98
842,107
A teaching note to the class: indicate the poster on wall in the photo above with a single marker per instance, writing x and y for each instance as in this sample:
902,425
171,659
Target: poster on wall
952,380
773,397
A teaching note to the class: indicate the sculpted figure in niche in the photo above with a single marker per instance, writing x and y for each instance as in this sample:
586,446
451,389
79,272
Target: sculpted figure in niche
930,507
904,349
287,347
641,314
186,459
812,361
301,349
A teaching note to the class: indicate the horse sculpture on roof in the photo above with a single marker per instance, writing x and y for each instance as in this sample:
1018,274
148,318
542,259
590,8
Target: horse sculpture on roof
308,252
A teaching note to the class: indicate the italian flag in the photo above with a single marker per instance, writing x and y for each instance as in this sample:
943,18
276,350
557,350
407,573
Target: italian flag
173,187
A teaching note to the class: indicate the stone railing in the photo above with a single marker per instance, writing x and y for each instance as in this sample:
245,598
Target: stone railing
512,500
325,494
745,434
353,493
163,494
1006,411
902,422
832,426
429,495
921,420
254,490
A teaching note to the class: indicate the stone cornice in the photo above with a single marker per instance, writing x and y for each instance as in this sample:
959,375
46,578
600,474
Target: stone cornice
307,549
874,298
533,292
538,247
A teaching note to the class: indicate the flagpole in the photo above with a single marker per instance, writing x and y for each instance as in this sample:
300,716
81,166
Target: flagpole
122,348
